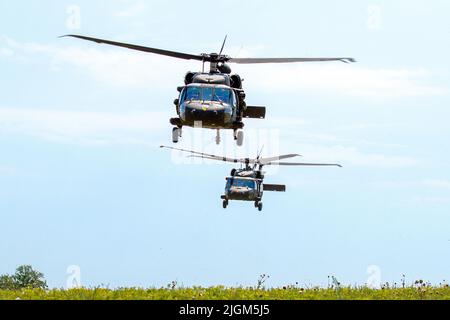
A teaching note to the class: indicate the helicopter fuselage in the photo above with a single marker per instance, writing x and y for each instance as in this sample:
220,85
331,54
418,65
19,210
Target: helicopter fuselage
213,101
206,109
248,185
209,100
243,189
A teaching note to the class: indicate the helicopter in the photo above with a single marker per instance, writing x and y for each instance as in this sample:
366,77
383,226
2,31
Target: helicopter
247,182
215,99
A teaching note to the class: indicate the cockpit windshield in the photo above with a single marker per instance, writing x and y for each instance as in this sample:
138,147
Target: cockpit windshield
222,95
242,183
208,94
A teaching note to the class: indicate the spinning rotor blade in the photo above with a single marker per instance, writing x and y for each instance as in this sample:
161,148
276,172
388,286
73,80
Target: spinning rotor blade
263,161
206,57
224,159
286,60
266,161
172,54
223,46
303,164
207,156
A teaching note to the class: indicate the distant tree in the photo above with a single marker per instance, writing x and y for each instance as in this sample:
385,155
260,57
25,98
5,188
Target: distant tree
24,278
6,282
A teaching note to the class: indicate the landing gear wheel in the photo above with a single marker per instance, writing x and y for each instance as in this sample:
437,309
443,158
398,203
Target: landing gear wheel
225,204
256,204
240,138
176,134
233,172
260,207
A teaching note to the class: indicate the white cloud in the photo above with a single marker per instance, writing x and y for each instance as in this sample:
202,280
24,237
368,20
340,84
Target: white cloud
350,156
112,66
432,200
86,128
430,183
6,51
104,128
424,184
365,126
124,68
120,67
6,170
350,80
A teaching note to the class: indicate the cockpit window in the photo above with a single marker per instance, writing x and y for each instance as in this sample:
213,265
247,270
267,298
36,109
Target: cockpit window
242,183
208,94
222,95
194,93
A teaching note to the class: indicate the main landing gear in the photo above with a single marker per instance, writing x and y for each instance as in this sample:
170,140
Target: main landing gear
239,137
218,139
176,134
258,204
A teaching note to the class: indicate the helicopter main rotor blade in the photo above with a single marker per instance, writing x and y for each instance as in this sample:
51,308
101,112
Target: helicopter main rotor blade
167,53
223,45
264,161
196,154
286,60
303,164
224,159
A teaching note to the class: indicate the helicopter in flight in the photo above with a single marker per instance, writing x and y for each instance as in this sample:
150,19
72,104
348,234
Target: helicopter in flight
215,99
247,182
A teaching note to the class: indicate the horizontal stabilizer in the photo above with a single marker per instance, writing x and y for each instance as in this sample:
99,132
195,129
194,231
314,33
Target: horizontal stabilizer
255,112
274,187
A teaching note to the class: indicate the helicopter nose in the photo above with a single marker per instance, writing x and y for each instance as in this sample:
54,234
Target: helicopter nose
241,194
207,112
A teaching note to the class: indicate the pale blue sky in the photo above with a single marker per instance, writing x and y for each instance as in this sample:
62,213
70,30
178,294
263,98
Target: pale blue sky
83,182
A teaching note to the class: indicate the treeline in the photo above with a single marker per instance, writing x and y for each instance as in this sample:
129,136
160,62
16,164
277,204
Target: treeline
25,277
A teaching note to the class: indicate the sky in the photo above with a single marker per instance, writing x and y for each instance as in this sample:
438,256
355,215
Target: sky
87,196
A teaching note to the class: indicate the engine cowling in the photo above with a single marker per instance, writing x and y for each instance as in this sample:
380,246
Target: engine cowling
189,78
224,68
236,81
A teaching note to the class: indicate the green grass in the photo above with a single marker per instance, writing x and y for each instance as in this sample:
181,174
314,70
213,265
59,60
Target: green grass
221,293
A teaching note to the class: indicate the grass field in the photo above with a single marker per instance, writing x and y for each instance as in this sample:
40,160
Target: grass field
418,292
